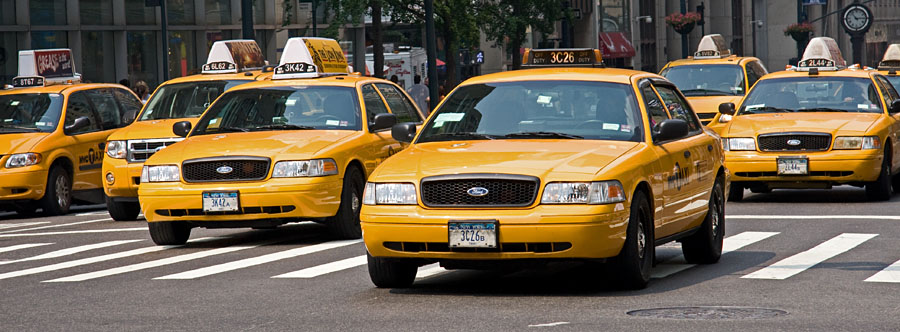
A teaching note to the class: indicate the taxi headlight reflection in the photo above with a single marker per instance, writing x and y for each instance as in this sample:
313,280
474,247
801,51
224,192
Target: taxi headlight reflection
301,168
583,193
389,193
115,149
164,173
23,159
857,143
740,144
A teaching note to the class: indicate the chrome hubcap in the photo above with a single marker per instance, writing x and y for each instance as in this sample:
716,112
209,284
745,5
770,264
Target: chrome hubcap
354,202
715,217
641,239
62,192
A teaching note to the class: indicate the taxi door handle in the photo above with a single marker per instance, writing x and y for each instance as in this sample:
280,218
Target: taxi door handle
687,154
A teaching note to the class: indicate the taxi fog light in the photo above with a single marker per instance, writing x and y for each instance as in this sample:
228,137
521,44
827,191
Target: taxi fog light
583,193
116,149
301,168
110,178
857,143
23,159
390,193
740,144
165,173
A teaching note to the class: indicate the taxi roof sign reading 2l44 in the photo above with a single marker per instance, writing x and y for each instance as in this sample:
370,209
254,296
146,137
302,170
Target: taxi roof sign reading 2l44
308,57
562,57
822,53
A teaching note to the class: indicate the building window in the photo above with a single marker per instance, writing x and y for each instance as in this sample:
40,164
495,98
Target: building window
614,16
47,12
259,12
218,12
143,47
96,12
214,36
137,13
98,56
182,55
7,12
181,12
49,39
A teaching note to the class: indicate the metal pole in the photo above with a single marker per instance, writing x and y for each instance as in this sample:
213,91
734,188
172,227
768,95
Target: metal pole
315,23
247,19
684,37
431,54
165,38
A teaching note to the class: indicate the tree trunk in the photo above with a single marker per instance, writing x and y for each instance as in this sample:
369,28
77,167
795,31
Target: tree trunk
377,45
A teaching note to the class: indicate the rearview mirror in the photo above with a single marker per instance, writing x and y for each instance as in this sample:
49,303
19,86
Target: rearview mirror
726,108
382,121
79,124
181,128
404,132
672,129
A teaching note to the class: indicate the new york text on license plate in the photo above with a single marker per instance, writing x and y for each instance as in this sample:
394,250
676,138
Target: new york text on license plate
220,201
473,234
793,166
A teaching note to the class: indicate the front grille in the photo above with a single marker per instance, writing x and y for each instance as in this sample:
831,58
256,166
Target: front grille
831,174
242,169
537,247
503,190
244,210
807,142
141,150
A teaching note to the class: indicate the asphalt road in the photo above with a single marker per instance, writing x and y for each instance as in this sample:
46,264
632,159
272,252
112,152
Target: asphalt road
798,260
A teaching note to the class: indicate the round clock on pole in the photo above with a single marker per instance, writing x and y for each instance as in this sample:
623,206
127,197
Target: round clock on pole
856,19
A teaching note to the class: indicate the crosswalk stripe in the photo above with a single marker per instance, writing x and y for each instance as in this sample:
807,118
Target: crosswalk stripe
22,224
160,262
23,246
78,232
253,261
800,262
69,251
316,271
889,274
57,225
430,270
731,243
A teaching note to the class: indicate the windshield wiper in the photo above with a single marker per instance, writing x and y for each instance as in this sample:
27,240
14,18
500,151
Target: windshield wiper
705,92
460,135
766,109
232,129
822,109
6,126
542,134
284,126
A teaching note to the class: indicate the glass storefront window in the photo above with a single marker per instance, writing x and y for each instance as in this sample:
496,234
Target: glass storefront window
218,12
49,39
98,57
259,12
7,12
214,36
47,12
8,57
136,12
96,12
143,48
182,54
614,16
181,12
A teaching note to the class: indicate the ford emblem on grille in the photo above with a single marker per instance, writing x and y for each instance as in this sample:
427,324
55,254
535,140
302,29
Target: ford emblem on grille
477,191
793,142
224,169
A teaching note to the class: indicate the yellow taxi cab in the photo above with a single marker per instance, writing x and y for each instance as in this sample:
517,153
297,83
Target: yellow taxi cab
890,64
52,133
230,63
815,125
297,147
570,162
713,76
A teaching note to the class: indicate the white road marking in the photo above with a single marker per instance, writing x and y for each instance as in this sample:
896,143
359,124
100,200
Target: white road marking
430,270
22,224
95,213
58,225
316,271
70,251
253,261
23,246
735,242
79,232
800,262
548,324
765,217
160,262
889,274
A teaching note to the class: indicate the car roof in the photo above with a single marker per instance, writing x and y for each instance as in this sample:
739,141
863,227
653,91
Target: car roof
834,73
613,75
254,75
719,61
337,80
60,88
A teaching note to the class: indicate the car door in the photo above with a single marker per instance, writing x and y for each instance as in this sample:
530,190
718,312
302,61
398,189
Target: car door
400,105
889,94
379,144
86,143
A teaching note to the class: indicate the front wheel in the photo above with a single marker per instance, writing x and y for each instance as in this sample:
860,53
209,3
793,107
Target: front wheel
387,273
705,246
122,211
880,189
345,224
633,263
58,197
166,233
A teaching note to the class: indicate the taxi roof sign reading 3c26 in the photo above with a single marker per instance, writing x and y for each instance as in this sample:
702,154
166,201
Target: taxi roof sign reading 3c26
712,47
562,57
307,57
41,67
232,56
822,53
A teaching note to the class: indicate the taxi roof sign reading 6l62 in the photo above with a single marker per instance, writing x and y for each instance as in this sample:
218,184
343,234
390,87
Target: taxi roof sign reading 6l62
712,47
562,57
42,67
822,53
891,58
308,57
232,56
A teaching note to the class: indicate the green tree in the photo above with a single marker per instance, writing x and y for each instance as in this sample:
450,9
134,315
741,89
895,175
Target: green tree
505,22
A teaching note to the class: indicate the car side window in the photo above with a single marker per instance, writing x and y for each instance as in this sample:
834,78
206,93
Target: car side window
678,107
755,71
107,108
79,106
890,94
400,105
656,111
374,104
129,104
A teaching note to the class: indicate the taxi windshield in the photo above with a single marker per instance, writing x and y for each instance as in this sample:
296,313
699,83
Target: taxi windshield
707,80
812,94
29,112
185,100
537,110
283,108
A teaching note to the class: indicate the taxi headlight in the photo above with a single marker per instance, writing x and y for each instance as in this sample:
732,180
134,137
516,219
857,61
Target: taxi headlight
164,173
583,193
389,193
116,149
857,143
740,144
300,168
23,159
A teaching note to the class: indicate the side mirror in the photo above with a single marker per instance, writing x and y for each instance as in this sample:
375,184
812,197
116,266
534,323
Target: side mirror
181,128
404,132
726,108
79,124
383,121
672,129
895,106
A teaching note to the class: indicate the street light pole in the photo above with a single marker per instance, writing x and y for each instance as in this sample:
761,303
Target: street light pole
431,54
247,19
165,38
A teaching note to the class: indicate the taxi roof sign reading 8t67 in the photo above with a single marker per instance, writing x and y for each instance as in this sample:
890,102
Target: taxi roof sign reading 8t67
822,53
232,56
42,67
562,57
308,57
891,58
712,47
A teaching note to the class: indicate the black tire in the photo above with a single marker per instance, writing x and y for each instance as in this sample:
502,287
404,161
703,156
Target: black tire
166,233
895,183
705,246
880,189
736,192
57,198
345,224
387,273
632,265
123,211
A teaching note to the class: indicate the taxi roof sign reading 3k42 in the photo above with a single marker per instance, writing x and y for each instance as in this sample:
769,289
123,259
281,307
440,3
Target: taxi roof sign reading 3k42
39,67
891,58
309,57
822,53
712,47
562,57
232,56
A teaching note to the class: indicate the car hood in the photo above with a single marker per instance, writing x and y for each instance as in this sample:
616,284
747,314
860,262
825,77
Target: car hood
751,125
710,104
278,145
149,129
19,142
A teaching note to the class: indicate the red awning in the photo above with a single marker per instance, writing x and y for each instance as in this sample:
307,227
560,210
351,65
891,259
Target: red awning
615,45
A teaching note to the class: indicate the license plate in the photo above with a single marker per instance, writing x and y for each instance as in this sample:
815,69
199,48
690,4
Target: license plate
220,201
793,166
468,234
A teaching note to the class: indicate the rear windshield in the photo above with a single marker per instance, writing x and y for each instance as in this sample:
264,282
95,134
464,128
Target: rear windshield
185,100
30,112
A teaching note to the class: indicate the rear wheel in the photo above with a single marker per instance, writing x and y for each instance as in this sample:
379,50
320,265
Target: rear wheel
169,232
880,189
345,224
122,211
633,264
58,197
705,246
386,273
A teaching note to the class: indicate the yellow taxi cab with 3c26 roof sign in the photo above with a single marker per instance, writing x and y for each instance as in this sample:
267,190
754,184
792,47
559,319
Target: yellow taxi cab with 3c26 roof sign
572,162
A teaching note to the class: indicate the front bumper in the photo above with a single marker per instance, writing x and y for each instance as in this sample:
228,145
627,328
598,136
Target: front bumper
832,167
27,183
127,177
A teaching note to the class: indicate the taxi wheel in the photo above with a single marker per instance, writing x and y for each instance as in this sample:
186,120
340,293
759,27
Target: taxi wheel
166,233
880,190
122,211
633,264
387,273
705,246
58,197
736,192
345,224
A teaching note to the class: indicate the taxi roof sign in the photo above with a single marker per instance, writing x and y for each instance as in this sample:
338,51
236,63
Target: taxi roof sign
891,58
310,57
712,47
232,56
562,57
42,67
822,53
